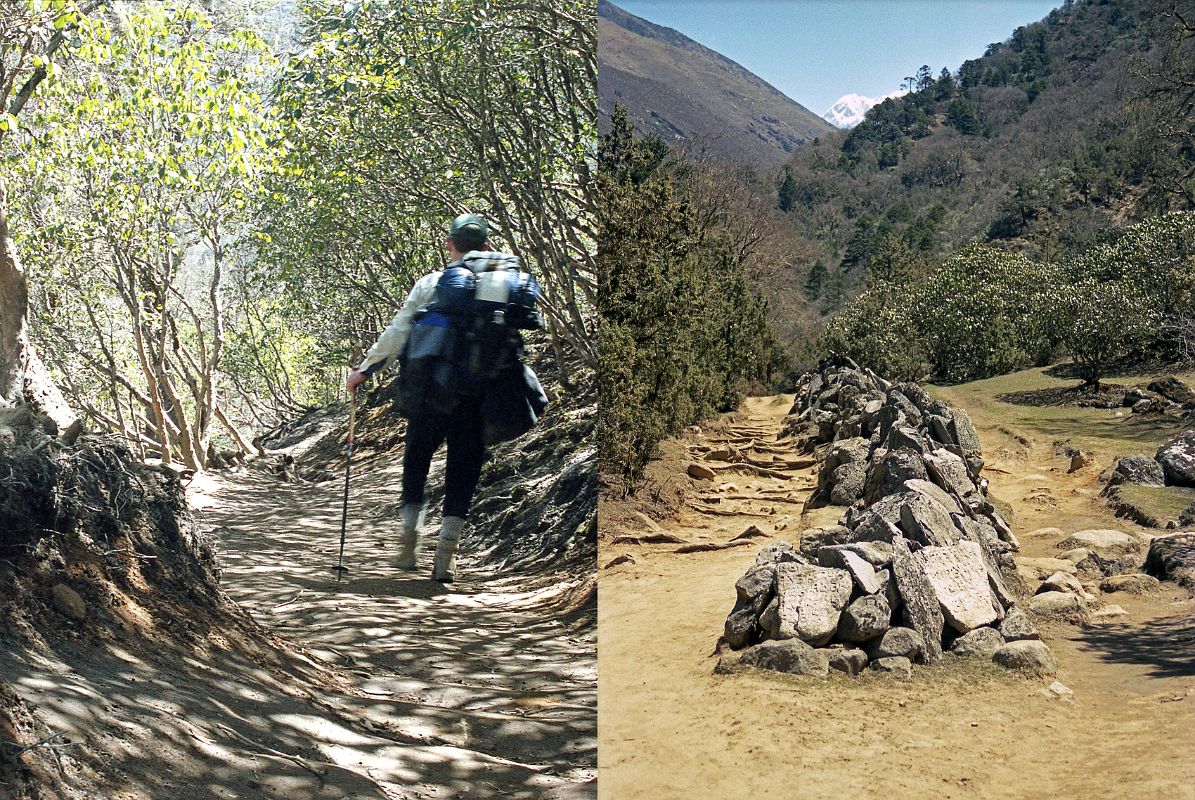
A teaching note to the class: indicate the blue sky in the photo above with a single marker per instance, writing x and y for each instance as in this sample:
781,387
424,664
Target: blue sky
815,51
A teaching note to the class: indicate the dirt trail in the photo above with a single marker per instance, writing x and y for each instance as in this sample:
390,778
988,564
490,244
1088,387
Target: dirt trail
474,689
671,728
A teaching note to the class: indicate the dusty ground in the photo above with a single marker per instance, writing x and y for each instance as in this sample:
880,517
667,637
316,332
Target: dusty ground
386,685
670,728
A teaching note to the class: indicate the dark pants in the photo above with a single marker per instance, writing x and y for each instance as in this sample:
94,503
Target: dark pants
466,451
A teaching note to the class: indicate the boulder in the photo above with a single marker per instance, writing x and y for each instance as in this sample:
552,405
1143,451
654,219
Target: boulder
1027,655
864,619
959,582
846,483
980,643
949,472
1133,583
939,429
921,610
896,666
874,527
847,451
926,521
1140,470
813,539
1177,457
983,534
861,571
810,601
963,431
1104,542
1172,557
1017,626
888,588
904,642
701,472
878,554
753,593
68,603
792,656
1172,389
889,471
897,400
934,492
849,660
902,437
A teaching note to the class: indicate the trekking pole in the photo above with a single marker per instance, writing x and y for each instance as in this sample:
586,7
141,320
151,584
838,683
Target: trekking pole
340,568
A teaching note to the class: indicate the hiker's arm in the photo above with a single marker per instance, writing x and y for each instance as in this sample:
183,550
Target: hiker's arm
391,342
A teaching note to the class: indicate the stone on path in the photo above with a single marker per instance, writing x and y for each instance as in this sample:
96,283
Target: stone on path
1057,604
1109,613
1133,583
1061,582
810,601
959,581
921,609
791,656
1028,655
701,472
1059,691
1102,541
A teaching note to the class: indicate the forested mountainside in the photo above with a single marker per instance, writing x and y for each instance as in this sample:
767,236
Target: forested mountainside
1056,138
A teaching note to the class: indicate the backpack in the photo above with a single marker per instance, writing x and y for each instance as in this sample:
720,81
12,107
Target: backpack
467,339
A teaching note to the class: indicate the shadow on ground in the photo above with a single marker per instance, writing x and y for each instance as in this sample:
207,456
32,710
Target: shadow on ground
1165,645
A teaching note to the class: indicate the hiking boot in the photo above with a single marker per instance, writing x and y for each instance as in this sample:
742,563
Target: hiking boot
444,568
408,540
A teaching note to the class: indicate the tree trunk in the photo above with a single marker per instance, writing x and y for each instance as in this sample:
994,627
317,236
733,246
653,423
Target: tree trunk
14,299
23,377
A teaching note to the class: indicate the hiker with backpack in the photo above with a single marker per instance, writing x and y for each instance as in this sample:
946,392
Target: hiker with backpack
461,377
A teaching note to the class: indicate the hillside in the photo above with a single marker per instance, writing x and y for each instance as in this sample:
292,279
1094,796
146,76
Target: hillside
1043,145
685,92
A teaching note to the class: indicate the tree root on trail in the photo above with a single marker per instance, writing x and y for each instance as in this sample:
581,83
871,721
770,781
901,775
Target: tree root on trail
705,547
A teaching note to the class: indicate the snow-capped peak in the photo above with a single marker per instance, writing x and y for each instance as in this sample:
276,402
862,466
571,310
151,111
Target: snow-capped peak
851,108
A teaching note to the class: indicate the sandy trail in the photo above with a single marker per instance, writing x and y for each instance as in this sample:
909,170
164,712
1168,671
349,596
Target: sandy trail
670,728
479,688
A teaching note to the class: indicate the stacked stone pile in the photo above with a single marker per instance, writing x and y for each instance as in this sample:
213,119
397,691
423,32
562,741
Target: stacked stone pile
921,561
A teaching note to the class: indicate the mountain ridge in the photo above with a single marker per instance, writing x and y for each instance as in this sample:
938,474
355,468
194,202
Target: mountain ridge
689,94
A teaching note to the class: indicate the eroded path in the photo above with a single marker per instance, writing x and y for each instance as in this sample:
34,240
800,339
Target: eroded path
477,689
670,728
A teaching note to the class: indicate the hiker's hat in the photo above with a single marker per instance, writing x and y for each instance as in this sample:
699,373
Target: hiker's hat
468,223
